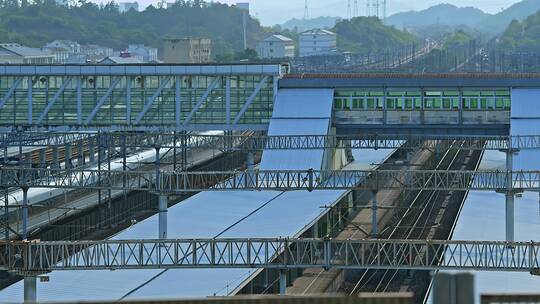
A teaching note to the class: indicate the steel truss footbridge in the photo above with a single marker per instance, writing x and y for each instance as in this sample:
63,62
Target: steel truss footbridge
116,108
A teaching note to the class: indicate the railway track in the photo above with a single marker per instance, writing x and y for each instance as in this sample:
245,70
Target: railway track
415,223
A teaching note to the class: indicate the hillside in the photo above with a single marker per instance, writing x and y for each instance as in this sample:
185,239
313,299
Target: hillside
303,25
497,23
445,14
36,24
459,17
522,36
352,35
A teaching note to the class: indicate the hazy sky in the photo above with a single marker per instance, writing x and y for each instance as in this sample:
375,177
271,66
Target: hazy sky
277,11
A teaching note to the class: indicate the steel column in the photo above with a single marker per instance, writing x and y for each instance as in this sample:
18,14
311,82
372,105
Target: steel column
67,156
24,234
30,100
42,162
79,101
30,289
228,99
91,150
80,153
251,168
56,157
282,282
128,101
178,101
162,209
509,222
374,222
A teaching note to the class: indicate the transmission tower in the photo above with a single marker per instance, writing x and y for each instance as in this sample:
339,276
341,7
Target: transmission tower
355,11
349,13
376,8
306,10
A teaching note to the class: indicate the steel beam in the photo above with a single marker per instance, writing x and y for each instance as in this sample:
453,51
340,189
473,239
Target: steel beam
102,100
51,102
279,254
201,101
281,142
171,182
250,100
151,100
9,93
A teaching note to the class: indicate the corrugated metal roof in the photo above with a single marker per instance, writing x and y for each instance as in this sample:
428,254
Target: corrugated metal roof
24,51
318,32
278,37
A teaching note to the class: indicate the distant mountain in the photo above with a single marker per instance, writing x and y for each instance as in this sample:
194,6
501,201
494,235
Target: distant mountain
451,15
497,23
304,25
445,14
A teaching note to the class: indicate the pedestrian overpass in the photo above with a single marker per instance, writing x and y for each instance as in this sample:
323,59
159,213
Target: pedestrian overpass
241,97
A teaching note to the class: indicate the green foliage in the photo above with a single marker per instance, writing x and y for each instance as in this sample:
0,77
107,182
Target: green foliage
522,36
457,39
43,21
369,34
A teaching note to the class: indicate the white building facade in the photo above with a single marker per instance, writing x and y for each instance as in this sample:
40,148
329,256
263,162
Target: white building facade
143,53
317,42
276,46
63,50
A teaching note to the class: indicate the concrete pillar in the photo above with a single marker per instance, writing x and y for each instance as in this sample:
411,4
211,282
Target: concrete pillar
251,168
374,222
30,290
163,205
42,162
509,222
80,153
282,282
67,156
55,158
443,289
91,150
24,233
464,288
